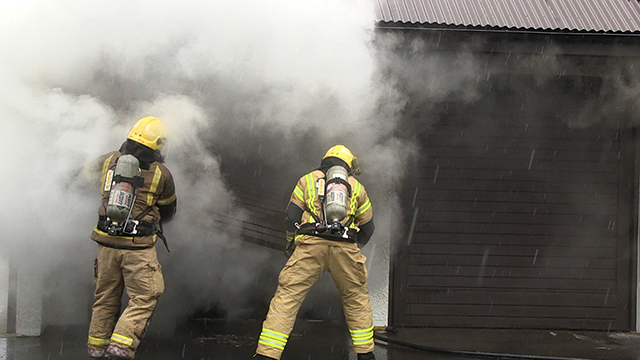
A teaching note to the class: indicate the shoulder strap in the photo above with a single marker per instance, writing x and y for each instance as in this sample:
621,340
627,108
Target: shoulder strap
144,213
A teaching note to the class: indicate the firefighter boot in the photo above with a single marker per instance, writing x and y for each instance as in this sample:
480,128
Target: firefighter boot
262,357
367,356
116,353
96,353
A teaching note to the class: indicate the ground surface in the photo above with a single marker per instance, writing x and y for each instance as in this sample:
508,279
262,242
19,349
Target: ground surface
206,339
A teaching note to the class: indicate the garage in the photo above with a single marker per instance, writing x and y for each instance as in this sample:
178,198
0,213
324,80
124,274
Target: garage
520,209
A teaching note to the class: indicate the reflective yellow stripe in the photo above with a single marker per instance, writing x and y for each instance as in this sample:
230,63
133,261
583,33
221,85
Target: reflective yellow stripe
100,232
275,334
363,208
154,185
122,339
299,194
354,202
106,186
360,332
97,341
354,196
360,337
167,201
273,338
311,188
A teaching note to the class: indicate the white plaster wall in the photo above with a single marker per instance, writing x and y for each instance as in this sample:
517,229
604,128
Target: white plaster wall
4,294
379,283
378,252
637,326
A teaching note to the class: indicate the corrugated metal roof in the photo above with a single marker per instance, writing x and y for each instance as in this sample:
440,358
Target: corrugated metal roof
547,15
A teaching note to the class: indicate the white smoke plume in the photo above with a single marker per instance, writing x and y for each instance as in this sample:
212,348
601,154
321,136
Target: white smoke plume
235,82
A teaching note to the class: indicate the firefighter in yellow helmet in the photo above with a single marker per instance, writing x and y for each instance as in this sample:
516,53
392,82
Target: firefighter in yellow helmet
138,195
329,218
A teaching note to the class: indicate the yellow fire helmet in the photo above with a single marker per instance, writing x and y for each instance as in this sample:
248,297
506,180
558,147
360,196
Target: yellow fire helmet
150,132
344,154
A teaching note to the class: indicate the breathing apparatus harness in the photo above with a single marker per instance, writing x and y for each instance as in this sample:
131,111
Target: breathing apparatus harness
334,195
129,227
123,188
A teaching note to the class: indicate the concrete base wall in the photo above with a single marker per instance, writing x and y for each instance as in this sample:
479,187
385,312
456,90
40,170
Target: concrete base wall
29,302
21,294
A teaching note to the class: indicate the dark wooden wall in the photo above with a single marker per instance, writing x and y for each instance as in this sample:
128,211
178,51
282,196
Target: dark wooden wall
516,218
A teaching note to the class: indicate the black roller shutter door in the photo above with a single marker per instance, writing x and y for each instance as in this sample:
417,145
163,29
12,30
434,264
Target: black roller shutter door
515,222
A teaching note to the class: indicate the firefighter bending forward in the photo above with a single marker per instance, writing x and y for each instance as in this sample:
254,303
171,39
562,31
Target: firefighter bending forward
321,237
127,258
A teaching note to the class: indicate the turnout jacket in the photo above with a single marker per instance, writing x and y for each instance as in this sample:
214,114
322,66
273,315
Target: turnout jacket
156,197
305,197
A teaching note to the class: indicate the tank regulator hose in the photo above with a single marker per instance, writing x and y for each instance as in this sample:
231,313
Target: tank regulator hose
379,337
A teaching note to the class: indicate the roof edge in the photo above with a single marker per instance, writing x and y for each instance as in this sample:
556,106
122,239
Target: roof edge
397,25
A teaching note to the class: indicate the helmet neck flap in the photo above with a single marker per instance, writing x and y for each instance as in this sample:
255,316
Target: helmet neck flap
144,154
328,162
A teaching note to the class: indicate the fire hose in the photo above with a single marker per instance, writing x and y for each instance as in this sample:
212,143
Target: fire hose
406,344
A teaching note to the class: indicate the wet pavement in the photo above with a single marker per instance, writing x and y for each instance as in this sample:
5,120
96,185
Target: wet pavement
521,344
207,339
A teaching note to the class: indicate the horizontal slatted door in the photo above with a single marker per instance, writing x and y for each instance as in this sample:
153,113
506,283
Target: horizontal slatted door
514,222
262,201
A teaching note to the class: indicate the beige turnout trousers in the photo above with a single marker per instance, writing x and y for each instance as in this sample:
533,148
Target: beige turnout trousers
347,267
137,271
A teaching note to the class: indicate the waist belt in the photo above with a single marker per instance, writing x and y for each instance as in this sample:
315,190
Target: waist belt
131,228
123,247
329,232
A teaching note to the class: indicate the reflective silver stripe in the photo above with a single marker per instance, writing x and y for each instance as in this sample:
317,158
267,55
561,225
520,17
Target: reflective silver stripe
272,344
167,201
97,341
363,208
273,338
